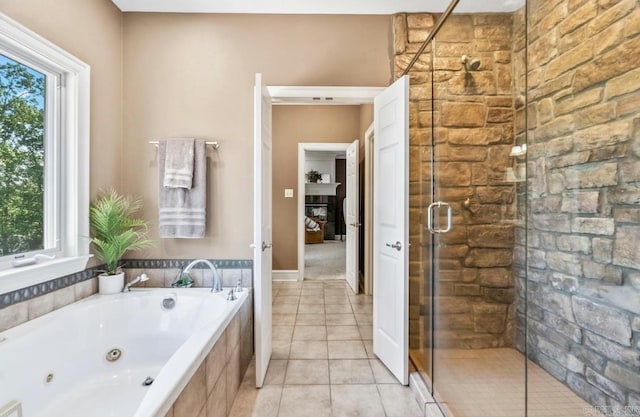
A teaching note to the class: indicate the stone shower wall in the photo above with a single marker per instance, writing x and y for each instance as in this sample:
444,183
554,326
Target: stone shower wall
473,120
584,195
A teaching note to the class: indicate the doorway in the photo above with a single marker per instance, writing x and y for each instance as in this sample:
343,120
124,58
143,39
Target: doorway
327,246
390,245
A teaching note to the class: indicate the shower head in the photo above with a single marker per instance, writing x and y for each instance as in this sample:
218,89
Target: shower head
470,64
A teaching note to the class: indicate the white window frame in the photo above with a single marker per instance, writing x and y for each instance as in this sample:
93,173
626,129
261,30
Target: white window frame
67,156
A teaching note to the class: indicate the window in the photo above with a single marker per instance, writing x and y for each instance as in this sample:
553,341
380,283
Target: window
23,112
44,129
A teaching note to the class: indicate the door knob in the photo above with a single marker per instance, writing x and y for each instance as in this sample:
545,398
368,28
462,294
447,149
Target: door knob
266,246
397,246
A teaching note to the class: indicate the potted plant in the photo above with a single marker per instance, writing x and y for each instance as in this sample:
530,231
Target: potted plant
313,176
114,231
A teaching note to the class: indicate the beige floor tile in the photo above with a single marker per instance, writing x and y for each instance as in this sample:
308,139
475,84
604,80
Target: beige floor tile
335,292
283,319
333,299
305,401
313,319
289,291
250,374
362,308
312,291
368,346
309,349
361,299
282,332
350,371
381,374
310,333
253,402
276,372
280,349
399,401
343,333
338,308
341,319
346,350
286,299
336,283
285,309
356,401
312,284
366,331
311,309
364,318
311,299
307,372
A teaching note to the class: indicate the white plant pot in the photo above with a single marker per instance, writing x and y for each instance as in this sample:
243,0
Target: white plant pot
110,284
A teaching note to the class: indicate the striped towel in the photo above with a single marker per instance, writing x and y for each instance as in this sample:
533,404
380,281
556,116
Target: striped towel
178,164
182,211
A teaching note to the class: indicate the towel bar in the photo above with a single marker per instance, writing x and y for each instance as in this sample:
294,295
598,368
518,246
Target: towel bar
214,145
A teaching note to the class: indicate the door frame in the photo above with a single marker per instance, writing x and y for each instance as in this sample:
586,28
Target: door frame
303,147
367,251
317,95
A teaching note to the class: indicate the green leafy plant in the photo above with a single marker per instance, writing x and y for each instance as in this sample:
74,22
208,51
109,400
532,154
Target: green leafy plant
114,229
313,176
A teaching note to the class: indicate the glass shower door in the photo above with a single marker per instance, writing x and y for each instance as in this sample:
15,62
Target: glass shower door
474,217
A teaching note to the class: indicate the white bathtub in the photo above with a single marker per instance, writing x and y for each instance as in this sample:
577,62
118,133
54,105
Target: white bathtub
71,344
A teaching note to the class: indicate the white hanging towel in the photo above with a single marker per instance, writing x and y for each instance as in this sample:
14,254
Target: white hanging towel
183,211
179,163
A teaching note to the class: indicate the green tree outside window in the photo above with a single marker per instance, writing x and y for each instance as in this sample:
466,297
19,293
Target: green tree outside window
22,128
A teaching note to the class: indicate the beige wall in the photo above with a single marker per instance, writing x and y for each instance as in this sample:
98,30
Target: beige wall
92,31
293,125
188,74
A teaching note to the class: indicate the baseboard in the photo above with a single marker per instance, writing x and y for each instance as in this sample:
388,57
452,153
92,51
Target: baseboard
285,275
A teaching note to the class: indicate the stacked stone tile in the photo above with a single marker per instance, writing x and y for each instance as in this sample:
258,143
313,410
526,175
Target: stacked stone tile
584,190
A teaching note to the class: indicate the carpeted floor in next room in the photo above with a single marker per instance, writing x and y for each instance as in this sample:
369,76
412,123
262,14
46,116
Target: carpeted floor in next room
325,261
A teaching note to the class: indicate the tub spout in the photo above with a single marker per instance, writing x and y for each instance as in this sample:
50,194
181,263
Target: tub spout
139,278
217,283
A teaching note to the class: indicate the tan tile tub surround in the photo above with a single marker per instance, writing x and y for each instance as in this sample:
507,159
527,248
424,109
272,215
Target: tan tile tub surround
214,386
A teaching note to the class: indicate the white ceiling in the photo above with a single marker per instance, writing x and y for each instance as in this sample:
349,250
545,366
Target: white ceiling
314,7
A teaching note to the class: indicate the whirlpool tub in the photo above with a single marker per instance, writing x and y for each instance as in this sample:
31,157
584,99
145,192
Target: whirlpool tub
125,355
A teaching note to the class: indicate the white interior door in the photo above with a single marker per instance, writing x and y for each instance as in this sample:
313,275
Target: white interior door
262,228
352,214
390,228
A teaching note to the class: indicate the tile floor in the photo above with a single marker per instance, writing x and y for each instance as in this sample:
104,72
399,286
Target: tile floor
323,363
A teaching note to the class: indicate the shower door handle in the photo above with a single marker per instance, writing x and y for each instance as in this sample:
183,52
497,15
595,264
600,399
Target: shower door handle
430,216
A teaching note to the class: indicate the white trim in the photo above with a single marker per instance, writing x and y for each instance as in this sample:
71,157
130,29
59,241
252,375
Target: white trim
302,149
285,275
368,210
74,155
286,95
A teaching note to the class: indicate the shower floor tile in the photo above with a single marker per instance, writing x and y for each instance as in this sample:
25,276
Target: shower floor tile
491,383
